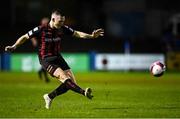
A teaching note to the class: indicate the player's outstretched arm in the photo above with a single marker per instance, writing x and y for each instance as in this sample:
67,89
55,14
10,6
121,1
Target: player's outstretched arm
20,41
95,34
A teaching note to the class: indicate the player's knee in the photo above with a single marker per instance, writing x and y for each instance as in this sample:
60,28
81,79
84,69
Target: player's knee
62,78
58,76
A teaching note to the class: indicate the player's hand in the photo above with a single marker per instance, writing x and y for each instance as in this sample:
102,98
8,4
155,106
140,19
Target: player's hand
97,33
10,48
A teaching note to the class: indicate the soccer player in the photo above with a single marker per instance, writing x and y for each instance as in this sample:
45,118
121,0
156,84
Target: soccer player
42,71
50,57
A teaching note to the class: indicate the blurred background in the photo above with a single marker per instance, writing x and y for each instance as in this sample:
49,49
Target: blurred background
116,66
137,33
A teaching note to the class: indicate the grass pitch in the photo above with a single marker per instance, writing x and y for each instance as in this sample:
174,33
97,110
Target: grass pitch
116,95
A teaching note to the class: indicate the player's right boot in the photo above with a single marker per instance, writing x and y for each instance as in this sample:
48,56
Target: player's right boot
47,100
88,93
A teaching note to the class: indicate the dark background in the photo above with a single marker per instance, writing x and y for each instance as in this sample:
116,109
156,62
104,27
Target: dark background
141,22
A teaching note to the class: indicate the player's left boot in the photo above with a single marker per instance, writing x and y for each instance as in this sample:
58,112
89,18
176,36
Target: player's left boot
47,100
88,93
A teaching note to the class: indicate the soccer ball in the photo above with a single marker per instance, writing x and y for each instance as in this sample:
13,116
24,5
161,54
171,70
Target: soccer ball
157,68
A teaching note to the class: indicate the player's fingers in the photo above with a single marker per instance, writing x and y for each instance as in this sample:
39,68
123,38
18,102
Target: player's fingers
6,48
102,30
99,30
101,34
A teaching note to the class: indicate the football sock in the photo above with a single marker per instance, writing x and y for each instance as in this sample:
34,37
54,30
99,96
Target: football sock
58,91
71,85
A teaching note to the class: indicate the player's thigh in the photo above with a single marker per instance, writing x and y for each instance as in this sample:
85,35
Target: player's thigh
70,74
56,66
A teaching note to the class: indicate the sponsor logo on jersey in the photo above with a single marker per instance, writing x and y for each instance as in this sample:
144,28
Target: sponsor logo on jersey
52,39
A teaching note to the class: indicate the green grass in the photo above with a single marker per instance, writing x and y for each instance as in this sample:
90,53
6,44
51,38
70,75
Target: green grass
117,94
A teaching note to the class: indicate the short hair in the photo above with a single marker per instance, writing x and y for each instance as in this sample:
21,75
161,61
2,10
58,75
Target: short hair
56,12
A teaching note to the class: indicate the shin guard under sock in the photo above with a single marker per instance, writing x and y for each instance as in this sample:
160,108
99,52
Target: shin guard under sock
71,85
58,91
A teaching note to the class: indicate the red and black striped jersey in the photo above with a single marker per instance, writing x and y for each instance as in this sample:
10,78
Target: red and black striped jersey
49,39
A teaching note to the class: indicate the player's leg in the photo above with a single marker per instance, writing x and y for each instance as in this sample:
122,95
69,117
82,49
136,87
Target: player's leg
71,75
60,89
64,74
87,92
67,84
64,78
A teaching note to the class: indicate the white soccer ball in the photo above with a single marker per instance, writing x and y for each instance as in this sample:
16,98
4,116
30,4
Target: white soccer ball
157,69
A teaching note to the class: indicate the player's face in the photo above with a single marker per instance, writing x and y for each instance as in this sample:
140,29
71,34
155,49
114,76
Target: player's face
59,21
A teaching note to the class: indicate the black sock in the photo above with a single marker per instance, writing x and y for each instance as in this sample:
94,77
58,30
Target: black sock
58,91
71,85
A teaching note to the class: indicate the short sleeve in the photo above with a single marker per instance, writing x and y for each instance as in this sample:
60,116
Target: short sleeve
67,30
34,32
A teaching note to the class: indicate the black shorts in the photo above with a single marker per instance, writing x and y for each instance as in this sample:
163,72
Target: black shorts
51,63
